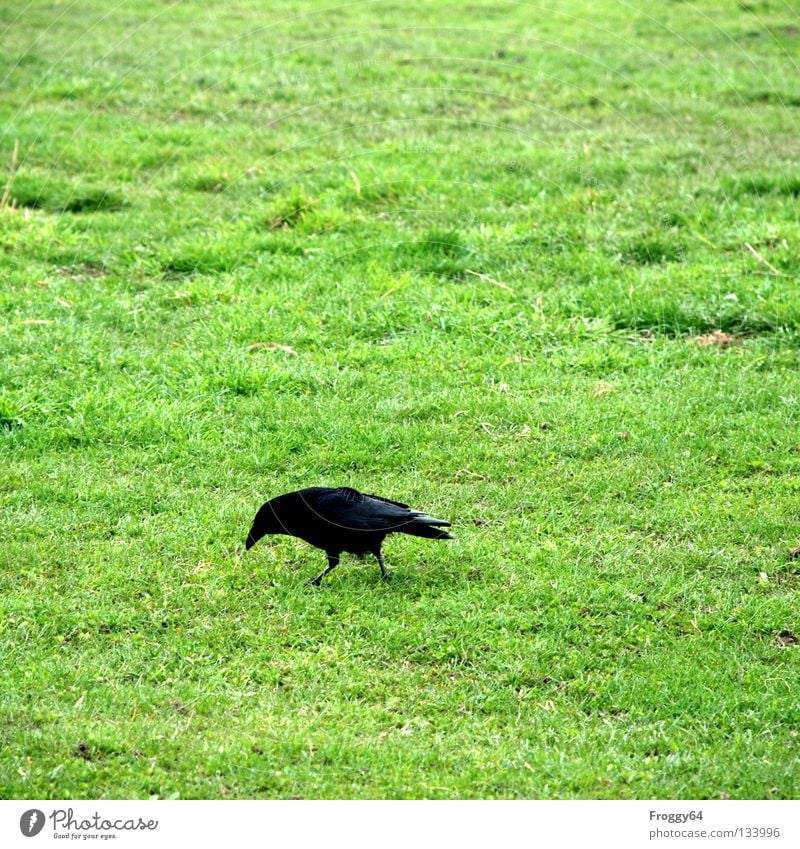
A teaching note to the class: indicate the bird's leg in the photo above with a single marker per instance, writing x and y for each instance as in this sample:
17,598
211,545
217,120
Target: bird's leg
333,562
384,573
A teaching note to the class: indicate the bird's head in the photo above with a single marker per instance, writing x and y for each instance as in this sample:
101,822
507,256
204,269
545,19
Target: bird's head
265,522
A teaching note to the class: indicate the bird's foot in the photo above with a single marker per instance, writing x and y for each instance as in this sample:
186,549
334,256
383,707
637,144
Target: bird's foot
316,582
387,576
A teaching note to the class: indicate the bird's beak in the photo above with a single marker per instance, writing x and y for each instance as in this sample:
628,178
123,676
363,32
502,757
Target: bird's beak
251,541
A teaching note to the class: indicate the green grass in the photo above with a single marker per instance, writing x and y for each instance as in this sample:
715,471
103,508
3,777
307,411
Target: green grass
346,186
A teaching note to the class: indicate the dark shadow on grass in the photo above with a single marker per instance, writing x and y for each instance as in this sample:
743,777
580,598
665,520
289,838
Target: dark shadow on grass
47,194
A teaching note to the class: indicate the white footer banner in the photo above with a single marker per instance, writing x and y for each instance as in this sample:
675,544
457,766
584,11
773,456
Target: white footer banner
406,824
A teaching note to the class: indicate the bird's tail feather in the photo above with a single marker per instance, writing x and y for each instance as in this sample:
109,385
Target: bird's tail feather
425,526
429,520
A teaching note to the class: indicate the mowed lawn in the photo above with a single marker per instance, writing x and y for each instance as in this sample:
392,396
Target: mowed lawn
532,267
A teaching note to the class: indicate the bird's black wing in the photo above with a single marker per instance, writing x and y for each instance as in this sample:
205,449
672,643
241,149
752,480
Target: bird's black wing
355,495
349,508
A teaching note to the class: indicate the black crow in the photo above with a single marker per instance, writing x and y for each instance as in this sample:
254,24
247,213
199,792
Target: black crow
342,519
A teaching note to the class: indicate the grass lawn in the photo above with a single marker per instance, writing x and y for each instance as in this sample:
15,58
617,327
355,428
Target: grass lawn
478,257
